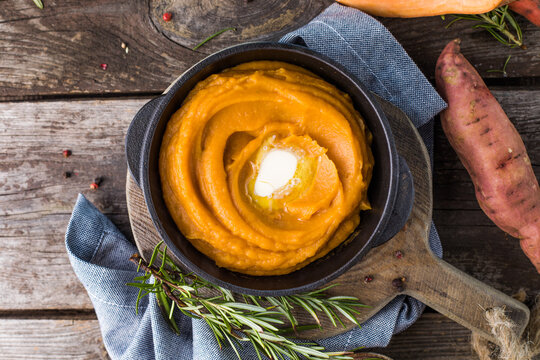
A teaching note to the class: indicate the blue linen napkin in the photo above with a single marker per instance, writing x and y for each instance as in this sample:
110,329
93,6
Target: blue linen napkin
99,253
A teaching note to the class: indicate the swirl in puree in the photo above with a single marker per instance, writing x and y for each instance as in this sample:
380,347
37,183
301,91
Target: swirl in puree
265,167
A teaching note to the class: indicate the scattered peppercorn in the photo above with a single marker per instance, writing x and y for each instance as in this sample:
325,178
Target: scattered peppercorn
66,153
398,254
368,279
67,175
399,284
96,183
103,66
167,16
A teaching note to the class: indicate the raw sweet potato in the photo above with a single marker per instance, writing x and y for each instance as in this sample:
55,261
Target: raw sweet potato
491,150
419,8
528,8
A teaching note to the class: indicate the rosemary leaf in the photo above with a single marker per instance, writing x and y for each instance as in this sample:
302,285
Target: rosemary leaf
141,285
163,301
500,23
163,252
283,308
256,345
171,311
325,289
213,36
137,302
329,315
233,345
306,307
336,317
298,328
243,306
503,70
347,314
309,350
216,332
154,254
342,298
39,3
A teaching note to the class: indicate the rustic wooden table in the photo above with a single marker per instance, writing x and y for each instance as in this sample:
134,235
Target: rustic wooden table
54,95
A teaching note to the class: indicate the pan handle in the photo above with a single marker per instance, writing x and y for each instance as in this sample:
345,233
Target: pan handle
458,295
135,136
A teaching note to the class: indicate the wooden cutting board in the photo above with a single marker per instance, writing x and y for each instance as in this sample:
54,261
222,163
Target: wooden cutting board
426,277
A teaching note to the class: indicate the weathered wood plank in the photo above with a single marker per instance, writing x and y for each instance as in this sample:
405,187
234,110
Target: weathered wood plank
424,39
486,253
194,20
36,200
58,50
51,339
433,337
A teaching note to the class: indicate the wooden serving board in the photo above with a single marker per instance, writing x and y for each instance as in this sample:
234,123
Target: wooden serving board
427,278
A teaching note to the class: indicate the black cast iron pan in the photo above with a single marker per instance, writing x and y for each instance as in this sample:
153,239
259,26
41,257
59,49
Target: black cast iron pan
390,197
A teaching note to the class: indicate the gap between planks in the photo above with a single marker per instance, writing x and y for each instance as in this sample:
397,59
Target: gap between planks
78,97
495,84
35,314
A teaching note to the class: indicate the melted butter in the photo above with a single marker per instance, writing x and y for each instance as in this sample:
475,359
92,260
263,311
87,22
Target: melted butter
276,171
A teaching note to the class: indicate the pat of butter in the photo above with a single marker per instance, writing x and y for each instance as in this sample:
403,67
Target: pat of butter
276,170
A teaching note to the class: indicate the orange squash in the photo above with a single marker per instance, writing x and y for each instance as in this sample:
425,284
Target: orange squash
420,8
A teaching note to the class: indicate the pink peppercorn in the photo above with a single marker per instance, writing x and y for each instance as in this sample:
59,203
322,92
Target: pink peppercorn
167,16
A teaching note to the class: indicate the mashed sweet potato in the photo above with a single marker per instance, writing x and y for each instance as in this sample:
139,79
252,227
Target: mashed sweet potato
212,151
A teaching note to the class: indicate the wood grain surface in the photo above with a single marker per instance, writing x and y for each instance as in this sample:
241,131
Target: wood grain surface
51,339
55,54
432,337
58,50
37,200
252,20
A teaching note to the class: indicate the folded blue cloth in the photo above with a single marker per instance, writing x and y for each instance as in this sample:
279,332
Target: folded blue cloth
99,253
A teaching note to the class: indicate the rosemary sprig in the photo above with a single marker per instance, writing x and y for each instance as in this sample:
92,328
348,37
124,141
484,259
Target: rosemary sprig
503,70
213,36
238,319
499,23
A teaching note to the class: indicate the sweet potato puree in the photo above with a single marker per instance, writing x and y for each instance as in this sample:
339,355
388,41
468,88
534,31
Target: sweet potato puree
213,149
